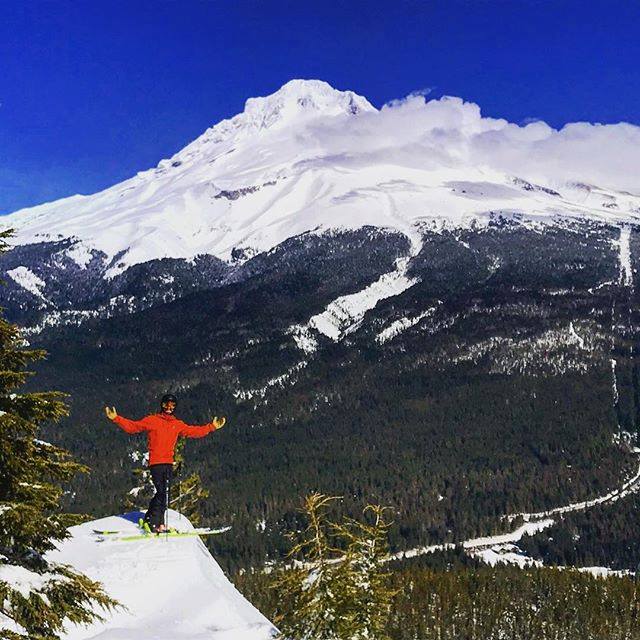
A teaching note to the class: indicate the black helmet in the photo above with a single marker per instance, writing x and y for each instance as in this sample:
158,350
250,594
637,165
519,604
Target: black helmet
169,397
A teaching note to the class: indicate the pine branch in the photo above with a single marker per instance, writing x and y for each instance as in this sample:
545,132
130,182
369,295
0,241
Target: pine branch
32,474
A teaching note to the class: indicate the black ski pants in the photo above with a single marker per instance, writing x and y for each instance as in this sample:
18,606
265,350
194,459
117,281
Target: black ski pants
161,475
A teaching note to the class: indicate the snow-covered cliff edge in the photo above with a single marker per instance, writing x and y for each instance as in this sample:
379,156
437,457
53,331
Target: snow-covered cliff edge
172,589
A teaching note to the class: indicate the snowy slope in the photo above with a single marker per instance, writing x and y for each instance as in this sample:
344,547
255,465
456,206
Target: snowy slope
172,589
344,315
311,158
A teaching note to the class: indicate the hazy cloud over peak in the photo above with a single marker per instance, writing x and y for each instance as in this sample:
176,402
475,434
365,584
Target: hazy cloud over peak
451,130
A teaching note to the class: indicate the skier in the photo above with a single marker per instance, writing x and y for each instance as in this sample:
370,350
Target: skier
163,430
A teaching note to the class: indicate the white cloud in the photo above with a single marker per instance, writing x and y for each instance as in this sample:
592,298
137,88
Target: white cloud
450,130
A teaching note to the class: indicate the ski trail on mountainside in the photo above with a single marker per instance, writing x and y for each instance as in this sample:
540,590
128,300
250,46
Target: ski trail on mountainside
341,317
626,270
345,314
625,280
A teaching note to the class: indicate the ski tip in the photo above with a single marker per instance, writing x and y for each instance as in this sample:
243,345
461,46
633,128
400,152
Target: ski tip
106,532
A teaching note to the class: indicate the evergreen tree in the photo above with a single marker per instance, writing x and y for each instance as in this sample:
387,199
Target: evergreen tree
36,596
188,492
309,589
368,592
336,587
142,491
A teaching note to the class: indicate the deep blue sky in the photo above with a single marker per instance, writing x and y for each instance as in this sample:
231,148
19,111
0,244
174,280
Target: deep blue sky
92,92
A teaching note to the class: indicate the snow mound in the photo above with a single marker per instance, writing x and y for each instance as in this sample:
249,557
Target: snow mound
172,589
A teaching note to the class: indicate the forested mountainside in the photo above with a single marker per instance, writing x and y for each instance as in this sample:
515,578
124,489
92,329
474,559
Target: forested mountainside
491,372
408,306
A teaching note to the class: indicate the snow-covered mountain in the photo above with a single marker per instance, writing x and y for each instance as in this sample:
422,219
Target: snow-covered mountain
320,266
170,589
244,184
306,158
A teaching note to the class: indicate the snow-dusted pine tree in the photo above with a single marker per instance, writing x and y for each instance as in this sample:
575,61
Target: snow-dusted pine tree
36,596
188,492
142,492
335,586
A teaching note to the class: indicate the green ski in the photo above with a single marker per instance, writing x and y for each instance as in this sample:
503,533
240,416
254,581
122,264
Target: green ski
122,536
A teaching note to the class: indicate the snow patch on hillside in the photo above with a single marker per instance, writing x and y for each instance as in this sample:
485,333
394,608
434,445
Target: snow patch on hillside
172,589
506,554
614,382
80,254
345,314
398,326
554,351
578,340
626,270
27,280
604,572
273,383
303,338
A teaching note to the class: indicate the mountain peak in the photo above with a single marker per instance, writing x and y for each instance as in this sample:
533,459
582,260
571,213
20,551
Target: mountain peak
298,97
296,100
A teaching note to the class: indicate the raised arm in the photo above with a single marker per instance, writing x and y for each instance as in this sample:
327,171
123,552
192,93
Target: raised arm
200,431
130,426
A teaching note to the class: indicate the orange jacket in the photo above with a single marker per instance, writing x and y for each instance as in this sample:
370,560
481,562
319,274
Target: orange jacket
163,431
